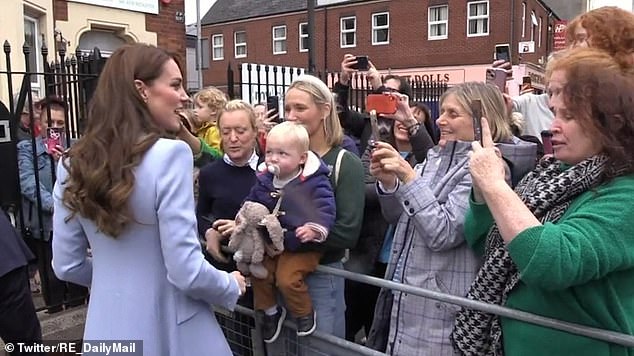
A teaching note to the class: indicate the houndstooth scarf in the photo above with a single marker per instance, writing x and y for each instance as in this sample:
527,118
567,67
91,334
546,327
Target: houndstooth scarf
547,191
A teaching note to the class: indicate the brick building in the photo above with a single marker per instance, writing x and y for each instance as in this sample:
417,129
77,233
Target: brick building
436,40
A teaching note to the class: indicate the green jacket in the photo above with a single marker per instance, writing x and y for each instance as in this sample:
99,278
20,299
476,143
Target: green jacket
350,198
580,270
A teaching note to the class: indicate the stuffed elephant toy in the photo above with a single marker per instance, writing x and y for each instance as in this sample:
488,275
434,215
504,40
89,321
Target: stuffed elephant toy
249,241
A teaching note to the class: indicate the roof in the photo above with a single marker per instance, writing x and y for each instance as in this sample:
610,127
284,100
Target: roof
232,10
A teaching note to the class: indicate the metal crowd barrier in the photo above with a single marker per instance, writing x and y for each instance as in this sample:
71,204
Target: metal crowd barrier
320,343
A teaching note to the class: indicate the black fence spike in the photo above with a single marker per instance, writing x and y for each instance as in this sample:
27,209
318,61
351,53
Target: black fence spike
7,47
26,49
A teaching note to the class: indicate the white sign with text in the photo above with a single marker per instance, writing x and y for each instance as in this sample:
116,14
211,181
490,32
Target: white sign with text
147,6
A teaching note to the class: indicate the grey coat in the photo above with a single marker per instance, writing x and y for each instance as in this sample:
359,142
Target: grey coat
152,282
429,244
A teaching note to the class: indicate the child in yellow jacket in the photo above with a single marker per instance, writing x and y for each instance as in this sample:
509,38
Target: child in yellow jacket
208,104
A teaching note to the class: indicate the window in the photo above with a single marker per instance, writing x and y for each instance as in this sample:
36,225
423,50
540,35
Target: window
523,19
539,33
437,22
240,43
381,28
217,47
348,32
204,49
303,37
32,39
477,18
279,39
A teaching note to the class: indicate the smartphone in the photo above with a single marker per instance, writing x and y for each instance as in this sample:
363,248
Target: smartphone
476,110
273,102
384,103
55,136
547,142
362,63
497,77
503,52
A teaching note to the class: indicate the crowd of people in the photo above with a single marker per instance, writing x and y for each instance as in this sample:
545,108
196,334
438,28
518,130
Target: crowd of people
440,204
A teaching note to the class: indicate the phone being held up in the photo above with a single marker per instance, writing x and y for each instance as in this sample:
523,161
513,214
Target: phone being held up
547,142
55,136
503,52
273,102
476,110
383,103
497,77
362,63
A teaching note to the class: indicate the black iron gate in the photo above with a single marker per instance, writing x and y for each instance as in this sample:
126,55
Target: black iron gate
70,79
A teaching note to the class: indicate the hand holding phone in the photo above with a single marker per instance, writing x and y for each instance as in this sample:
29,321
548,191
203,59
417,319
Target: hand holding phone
55,137
476,110
497,77
362,64
273,108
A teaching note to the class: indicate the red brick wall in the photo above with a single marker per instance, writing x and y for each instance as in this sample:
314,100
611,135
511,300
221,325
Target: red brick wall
60,10
408,47
170,33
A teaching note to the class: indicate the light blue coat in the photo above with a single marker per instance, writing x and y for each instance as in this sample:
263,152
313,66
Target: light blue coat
152,282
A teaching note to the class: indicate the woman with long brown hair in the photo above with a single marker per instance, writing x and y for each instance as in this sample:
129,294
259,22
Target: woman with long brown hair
126,191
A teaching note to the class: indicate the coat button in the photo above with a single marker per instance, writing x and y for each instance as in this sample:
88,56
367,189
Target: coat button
411,210
406,202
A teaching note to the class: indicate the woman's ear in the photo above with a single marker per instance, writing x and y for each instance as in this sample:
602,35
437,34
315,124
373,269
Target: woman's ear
326,110
141,89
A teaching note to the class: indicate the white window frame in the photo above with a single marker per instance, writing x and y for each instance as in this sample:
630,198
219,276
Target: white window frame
302,36
477,18
343,32
539,32
376,28
523,19
431,23
36,80
241,44
215,46
279,39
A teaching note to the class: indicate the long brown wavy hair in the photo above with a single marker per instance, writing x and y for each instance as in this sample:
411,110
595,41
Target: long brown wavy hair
599,94
609,28
119,130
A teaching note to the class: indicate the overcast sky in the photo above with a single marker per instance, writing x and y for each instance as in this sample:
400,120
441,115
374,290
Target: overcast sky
190,9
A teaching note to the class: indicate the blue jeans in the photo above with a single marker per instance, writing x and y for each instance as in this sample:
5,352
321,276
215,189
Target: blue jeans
327,294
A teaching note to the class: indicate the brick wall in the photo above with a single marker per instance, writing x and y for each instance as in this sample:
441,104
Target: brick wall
170,33
60,10
409,46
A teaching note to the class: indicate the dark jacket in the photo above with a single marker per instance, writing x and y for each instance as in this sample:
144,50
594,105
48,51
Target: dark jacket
13,251
308,198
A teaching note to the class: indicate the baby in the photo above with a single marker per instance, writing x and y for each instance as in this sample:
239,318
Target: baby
294,183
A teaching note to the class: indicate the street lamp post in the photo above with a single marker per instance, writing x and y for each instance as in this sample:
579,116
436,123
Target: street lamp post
199,52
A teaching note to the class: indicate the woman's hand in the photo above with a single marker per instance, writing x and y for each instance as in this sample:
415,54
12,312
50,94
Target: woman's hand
387,165
403,112
242,282
56,152
224,226
486,164
212,239
346,69
373,75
